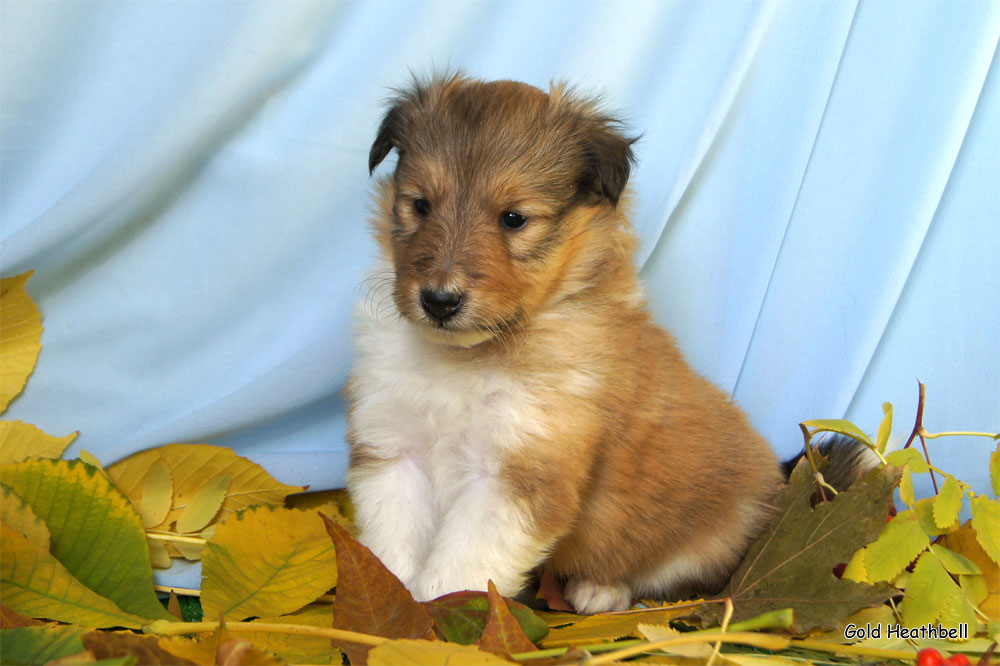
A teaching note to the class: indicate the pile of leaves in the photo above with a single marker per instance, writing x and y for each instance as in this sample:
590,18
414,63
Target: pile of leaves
284,581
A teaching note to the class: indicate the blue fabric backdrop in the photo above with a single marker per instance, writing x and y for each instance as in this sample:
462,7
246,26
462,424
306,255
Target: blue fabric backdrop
816,196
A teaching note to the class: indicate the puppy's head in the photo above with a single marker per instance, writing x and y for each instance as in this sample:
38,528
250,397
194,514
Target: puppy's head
503,200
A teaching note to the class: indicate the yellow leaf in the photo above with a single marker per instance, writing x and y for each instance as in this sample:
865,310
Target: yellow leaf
900,541
159,556
189,551
203,506
20,337
948,503
89,458
37,585
430,653
855,569
995,470
928,591
96,534
910,457
659,632
193,465
20,440
884,428
986,523
964,542
19,515
297,649
601,628
157,495
263,562
906,487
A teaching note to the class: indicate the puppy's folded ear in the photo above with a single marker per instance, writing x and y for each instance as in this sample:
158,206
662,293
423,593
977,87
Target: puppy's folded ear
608,156
389,133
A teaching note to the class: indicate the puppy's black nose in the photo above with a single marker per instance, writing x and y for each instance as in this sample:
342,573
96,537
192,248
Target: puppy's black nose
440,304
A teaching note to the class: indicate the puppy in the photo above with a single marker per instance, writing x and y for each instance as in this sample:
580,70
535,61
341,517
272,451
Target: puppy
512,403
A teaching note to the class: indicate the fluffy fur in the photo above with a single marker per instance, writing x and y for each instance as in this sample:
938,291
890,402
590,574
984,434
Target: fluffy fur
512,403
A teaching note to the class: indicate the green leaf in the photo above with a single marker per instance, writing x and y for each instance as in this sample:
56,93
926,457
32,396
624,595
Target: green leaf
264,561
910,457
884,428
953,562
928,591
502,634
948,503
900,542
461,616
924,510
839,426
96,533
36,584
40,645
906,493
986,522
790,566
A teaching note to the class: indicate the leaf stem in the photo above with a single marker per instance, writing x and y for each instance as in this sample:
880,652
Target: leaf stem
958,433
169,536
168,628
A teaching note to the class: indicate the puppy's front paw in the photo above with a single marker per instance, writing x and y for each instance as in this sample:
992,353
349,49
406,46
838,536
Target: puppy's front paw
589,597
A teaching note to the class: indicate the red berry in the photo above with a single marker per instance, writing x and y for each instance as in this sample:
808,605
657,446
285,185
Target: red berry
958,660
929,657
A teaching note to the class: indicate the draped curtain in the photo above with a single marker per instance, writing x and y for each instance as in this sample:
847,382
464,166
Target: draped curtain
816,197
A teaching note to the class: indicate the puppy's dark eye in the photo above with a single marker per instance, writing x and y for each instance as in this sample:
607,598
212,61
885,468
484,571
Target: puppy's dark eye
512,220
422,207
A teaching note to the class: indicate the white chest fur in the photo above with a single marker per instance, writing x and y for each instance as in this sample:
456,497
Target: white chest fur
434,508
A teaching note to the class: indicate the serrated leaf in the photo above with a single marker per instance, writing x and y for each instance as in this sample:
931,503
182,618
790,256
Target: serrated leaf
953,562
461,616
924,510
191,466
609,627
986,523
18,515
20,337
265,561
958,612
900,543
96,534
430,653
791,564
502,634
203,505
964,542
157,495
928,591
37,584
906,493
884,428
948,503
839,426
910,457
19,440
370,599
41,644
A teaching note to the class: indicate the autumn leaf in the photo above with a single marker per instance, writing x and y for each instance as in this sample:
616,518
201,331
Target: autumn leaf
986,523
299,649
948,503
791,564
157,495
370,600
266,561
984,587
37,584
928,590
900,543
20,440
192,466
95,532
502,634
41,644
18,515
430,653
461,616
610,627
145,649
20,337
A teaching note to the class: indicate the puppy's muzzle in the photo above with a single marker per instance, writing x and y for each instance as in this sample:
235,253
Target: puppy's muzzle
439,304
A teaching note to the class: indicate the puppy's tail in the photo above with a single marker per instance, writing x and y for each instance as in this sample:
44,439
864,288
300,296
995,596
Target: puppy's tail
848,459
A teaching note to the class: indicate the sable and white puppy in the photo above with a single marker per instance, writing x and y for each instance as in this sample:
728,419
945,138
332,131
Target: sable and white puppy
517,406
